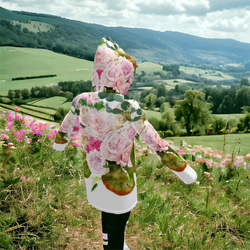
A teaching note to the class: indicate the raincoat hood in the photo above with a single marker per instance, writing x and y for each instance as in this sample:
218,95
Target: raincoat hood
113,68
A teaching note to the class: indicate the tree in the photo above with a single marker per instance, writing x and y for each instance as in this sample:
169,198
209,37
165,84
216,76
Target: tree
194,111
161,90
150,100
159,101
168,117
244,82
218,125
244,124
25,93
242,98
11,95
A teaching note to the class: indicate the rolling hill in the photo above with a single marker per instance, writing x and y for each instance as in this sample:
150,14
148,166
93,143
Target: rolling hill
28,62
80,39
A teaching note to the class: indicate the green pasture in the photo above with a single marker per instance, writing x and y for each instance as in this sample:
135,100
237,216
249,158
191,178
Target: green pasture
39,109
148,68
52,102
157,115
23,62
152,114
228,143
229,116
37,114
34,26
208,74
66,105
171,83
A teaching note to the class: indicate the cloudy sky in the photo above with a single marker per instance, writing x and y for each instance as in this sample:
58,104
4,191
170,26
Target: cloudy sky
205,18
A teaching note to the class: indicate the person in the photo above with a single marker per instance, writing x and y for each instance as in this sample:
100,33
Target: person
107,125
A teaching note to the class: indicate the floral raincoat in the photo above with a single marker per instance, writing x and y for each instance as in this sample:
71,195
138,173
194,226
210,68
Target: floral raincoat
107,125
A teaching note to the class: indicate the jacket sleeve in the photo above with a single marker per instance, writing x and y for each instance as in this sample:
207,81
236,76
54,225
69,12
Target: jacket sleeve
68,129
160,147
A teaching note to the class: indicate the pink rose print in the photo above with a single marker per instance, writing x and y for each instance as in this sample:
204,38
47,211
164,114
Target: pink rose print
153,139
125,157
103,55
126,66
97,124
69,126
96,163
114,145
130,131
93,145
110,74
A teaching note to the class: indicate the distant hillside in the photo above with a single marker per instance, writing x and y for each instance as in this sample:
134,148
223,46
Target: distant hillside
80,40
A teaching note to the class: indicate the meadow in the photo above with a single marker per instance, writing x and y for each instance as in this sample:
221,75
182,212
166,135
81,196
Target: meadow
209,74
26,62
170,84
43,198
42,194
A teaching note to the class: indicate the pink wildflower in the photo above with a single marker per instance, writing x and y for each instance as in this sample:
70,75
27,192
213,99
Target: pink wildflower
211,179
142,150
207,174
49,135
22,178
181,152
4,136
17,109
247,156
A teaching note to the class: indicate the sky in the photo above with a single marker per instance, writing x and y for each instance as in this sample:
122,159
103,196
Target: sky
204,18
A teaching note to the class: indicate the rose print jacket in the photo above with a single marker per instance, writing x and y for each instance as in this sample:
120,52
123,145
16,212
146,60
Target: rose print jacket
107,125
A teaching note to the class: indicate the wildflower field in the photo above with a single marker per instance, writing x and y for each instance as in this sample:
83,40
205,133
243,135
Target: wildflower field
43,203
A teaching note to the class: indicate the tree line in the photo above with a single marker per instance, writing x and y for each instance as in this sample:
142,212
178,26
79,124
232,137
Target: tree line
68,89
193,116
223,100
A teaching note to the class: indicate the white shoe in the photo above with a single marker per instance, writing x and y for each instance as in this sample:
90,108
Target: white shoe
125,247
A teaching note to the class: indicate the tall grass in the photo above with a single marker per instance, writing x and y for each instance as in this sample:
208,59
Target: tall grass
43,201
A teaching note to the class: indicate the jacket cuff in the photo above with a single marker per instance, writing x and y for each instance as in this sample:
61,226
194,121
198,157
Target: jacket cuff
59,147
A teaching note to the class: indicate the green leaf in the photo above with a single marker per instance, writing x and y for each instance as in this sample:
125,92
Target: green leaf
118,98
108,109
102,95
117,111
99,105
133,110
137,118
110,97
83,102
139,111
125,105
77,111
94,187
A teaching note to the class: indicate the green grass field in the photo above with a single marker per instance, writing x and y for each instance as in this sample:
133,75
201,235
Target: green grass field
230,143
157,115
39,109
229,116
52,102
23,62
170,84
149,68
208,74
43,203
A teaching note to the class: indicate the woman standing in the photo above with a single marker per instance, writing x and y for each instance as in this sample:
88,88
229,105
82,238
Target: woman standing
107,125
